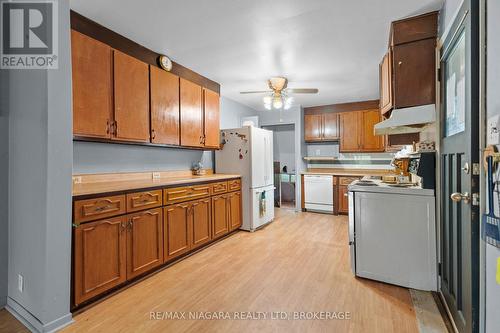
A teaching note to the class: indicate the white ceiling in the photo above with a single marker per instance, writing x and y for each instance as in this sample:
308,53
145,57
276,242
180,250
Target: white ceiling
332,45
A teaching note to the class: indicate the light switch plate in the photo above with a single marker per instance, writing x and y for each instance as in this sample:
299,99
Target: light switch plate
493,130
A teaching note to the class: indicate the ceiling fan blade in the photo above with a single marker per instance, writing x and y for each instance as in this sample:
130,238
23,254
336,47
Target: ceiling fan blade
256,92
302,91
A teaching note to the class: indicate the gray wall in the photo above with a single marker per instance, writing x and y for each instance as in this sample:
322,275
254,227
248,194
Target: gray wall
492,108
231,113
447,14
40,158
284,145
89,157
4,180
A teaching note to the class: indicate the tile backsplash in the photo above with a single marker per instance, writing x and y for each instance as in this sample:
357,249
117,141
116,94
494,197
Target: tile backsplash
347,160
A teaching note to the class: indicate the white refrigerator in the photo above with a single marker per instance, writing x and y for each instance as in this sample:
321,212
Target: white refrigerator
248,151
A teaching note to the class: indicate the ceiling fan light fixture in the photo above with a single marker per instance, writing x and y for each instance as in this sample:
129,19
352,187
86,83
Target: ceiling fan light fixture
277,102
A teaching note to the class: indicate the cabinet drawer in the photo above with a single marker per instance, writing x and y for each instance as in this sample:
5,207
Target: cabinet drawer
98,208
218,188
347,180
144,200
179,194
234,185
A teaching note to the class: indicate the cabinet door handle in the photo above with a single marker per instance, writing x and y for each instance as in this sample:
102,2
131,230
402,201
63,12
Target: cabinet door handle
107,127
400,63
153,134
115,128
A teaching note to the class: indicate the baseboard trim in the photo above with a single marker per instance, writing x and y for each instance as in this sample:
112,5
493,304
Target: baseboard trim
3,302
33,323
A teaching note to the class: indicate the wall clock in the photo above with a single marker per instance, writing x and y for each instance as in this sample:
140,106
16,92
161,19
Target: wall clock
165,62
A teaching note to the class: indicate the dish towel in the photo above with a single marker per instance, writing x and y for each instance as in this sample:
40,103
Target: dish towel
262,204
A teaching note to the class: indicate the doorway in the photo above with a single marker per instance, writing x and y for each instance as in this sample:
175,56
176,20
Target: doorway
284,155
459,156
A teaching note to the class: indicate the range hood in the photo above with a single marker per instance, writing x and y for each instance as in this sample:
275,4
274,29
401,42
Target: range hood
407,120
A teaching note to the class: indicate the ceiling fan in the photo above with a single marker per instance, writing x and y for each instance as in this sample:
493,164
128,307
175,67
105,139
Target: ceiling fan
278,97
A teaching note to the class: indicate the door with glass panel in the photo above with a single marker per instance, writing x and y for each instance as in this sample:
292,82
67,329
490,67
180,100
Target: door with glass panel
459,153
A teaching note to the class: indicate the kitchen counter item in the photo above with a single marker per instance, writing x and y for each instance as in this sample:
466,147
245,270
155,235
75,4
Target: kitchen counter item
117,185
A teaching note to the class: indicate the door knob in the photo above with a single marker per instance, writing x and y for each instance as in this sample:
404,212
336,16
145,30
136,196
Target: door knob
457,197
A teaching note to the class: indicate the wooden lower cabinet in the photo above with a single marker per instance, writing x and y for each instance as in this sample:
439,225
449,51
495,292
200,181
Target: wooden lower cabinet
234,210
201,221
342,193
113,250
177,230
343,199
144,241
100,259
220,225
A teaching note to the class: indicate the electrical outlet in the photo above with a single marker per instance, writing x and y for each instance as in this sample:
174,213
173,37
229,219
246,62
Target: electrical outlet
318,152
20,282
493,131
77,180
156,175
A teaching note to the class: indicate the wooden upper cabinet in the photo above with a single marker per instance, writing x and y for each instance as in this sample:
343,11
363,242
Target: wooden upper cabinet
234,208
350,131
313,127
408,70
386,83
92,86
176,230
321,127
211,109
144,242
220,225
165,128
357,131
370,141
99,258
131,112
414,28
415,73
191,114
201,219
330,126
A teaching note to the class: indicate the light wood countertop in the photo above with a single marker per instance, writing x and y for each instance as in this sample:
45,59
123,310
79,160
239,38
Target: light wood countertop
101,187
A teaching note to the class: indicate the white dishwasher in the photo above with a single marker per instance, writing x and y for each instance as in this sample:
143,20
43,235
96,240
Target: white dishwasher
318,193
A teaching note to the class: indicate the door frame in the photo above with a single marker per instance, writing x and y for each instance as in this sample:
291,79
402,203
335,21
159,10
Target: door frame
270,126
477,95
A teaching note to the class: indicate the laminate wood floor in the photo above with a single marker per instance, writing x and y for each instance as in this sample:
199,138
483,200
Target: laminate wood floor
299,263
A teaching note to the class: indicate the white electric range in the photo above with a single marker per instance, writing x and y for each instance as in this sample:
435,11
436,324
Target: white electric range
392,233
